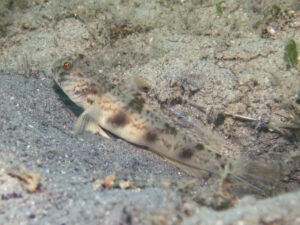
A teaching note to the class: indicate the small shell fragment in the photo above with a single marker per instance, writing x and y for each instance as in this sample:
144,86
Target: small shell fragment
30,181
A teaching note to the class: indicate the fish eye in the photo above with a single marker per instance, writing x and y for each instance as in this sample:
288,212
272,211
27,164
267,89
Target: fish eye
66,65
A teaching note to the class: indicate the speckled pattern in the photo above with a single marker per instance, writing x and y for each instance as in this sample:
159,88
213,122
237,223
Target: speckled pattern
122,111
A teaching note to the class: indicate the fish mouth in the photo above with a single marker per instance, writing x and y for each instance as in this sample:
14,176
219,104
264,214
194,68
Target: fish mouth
62,77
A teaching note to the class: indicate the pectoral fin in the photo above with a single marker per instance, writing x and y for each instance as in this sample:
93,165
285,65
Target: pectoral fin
88,122
95,128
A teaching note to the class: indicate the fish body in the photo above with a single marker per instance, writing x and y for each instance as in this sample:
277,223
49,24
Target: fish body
123,111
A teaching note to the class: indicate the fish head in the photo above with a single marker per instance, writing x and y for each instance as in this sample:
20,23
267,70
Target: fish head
71,74
61,70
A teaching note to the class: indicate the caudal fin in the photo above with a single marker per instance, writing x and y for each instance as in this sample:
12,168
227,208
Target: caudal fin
260,177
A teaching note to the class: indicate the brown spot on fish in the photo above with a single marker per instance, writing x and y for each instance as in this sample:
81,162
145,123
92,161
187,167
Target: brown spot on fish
137,103
93,91
205,160
170,130
120,119
90,101
150,136
200,146
79,92
80,74
86,91
218,156
186,153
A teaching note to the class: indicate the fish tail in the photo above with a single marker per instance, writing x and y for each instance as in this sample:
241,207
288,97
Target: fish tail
259,176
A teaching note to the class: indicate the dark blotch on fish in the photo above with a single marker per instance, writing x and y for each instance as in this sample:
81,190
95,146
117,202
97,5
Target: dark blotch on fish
137,103
86,91
120,119
200,147
90,101
80,74
218,156
93,91
151,136
170,130
186,153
